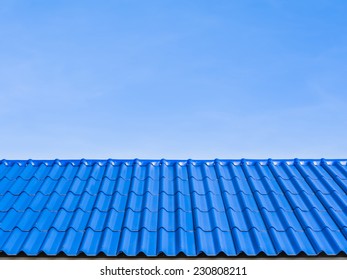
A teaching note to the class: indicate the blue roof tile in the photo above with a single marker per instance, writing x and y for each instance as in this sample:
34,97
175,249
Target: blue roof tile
172,207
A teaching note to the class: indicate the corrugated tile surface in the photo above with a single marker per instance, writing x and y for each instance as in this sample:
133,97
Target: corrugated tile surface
172,207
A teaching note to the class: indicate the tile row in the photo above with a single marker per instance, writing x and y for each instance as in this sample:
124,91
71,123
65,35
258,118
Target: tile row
246,220
220,202
234,186
212,243
183,170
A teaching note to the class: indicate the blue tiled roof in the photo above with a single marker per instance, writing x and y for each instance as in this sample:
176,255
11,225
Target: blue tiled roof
172,207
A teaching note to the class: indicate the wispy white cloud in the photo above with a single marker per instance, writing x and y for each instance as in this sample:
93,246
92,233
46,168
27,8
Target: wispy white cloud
177,80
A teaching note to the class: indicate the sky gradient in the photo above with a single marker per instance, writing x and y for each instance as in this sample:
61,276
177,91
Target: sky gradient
173,79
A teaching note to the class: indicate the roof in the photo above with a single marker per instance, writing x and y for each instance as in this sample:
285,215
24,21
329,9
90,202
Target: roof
172,206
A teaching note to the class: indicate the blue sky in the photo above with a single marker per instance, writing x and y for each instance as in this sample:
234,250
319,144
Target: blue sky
174,79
